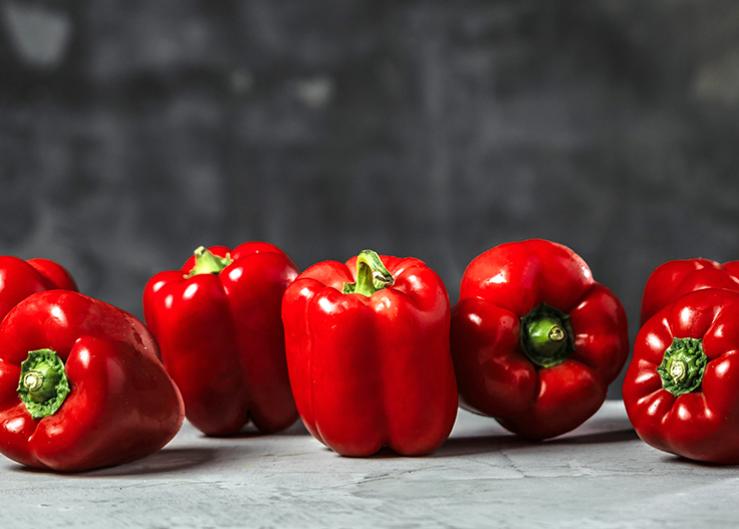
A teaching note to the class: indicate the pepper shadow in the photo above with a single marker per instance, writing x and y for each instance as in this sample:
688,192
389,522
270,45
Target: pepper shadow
608,430
479,442
250,431
166,461
691,464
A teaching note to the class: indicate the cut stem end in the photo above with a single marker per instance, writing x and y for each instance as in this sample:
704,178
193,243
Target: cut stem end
43,385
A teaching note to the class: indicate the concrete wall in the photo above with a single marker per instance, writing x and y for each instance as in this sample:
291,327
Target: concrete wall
131,132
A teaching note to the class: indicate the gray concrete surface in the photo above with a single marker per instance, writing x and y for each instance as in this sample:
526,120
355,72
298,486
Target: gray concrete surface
598,476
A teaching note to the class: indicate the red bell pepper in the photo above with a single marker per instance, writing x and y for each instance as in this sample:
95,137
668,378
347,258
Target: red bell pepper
19,279
535,340
81,385
217,321
673,279
681,389
368,354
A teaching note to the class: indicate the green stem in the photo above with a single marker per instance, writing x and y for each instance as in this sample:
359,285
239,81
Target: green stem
683,366
206,262
371,275
546,336
43,385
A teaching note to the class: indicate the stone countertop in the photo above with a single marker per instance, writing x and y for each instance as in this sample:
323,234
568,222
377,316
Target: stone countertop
599,476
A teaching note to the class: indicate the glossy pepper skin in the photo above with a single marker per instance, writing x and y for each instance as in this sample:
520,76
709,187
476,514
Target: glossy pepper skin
19,279
681,389
535,340
368,354
81,385
673,279
217,321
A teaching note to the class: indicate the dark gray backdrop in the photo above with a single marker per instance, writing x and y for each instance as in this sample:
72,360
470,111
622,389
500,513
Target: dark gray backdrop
131,132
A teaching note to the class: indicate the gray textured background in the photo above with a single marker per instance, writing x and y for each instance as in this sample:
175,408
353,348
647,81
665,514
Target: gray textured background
131,132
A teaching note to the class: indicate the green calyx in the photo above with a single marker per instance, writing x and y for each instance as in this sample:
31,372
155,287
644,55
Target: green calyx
683,366
371,275
43,383
546,336
206,262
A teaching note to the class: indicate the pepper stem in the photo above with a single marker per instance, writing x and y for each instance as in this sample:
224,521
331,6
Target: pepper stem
206,262
682,366
371,275
546,336
43,385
